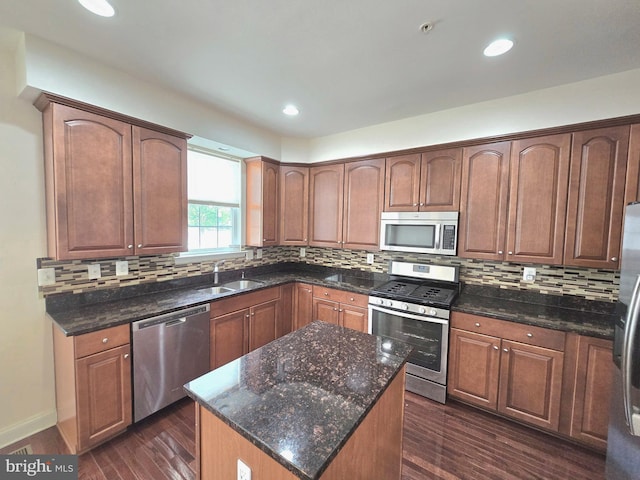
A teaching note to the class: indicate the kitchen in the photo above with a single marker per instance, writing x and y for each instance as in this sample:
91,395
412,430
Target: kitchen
30,402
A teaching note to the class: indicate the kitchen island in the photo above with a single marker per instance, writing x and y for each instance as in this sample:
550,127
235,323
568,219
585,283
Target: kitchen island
324,402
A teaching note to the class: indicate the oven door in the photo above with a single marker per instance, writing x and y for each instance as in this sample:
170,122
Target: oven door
428,335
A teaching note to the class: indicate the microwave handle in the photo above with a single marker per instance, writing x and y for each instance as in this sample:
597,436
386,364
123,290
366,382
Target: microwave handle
437,235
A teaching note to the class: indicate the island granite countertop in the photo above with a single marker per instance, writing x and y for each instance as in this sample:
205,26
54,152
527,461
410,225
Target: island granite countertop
300,397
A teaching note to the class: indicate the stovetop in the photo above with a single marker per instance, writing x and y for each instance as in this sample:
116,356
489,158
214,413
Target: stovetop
422,293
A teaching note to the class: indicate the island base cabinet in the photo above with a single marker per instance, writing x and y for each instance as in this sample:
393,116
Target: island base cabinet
374,450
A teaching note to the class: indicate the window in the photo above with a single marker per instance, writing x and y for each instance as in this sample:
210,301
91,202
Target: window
214,201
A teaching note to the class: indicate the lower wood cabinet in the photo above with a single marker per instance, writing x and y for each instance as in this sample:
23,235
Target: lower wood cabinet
242,323
93,386
513,369
340,307
302,305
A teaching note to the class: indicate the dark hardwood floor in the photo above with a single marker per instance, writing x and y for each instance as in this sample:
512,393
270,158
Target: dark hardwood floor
447,442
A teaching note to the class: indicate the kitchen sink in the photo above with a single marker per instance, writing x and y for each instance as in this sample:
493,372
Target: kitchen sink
216,290
242,284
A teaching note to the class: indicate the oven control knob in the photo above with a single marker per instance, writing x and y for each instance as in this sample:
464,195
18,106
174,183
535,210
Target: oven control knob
422,310
404,306
432,312
380,301
389,303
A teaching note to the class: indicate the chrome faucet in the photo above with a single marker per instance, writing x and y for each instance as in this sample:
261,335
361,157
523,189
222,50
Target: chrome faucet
215,271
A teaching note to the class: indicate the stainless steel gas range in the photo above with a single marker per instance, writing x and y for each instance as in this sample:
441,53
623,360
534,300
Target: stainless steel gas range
414,307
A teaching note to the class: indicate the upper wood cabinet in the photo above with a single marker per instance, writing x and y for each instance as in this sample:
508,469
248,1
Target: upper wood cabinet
345,204
632,189
112,188
427,182
262,202
539,174
596,197
483,201
294,205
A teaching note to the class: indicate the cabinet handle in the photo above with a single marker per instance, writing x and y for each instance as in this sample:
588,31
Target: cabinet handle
139,245
506,350
130,246
614,259
477,324
105,340
495,347
499,252
530,335
126,355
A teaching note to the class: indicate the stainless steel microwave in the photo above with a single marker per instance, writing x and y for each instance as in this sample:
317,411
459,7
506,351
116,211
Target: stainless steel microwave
419,232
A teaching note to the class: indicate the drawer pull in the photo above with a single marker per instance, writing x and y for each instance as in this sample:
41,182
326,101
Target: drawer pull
506,350
495,347
126,355
530,335
105,340
477,324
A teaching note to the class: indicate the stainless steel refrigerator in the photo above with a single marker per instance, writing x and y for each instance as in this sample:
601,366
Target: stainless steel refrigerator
623,447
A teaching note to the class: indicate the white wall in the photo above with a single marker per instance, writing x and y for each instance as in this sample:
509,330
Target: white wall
600,98
26,351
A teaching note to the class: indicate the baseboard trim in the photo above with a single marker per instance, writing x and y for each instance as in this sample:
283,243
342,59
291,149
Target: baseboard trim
18,431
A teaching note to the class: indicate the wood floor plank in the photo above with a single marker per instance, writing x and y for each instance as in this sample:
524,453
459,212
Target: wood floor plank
440,442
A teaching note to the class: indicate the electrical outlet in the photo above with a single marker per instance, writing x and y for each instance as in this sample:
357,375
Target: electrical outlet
94,271
303,252
122,268
369,258
259,253
249,254
244,472
46,276
529,274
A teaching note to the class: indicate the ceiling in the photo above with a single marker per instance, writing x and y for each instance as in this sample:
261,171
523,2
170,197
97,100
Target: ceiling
345,64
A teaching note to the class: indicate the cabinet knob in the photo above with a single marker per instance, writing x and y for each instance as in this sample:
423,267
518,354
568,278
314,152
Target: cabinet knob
139,245
506,350
477,324
340,310
530,335
335,309
352,299
500,252
253,313
264,239
421,204
305,239
105,340
326,294
510,253
415,204
246,316
614,259
495,347
126,355
130,246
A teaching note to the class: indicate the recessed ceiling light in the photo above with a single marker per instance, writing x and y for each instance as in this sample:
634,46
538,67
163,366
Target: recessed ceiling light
99,7
291,110
426,27
498,47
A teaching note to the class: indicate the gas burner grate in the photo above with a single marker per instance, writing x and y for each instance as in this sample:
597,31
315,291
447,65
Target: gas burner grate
433,293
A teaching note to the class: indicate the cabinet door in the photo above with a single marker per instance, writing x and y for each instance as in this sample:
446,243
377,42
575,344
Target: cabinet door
326,311
160,192
263,324
356,318
483,201
363,201
531,384
303,309
229,337
402,183
474,368
89,184
590,419
538,199
596,196
632,190
440,180
294,205
285,315
326,188
261,202
103,385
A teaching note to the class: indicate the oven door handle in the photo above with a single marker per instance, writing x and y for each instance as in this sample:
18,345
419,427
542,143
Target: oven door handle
422,318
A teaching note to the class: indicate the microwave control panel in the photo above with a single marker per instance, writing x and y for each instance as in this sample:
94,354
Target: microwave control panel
449,237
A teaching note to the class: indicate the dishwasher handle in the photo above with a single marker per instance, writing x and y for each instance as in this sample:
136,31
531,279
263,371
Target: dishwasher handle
170,319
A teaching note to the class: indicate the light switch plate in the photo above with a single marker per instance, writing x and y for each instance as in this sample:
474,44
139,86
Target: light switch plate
529,274
244,472
303,252
46,276
94,271
369,258
259,253
249,254
122,268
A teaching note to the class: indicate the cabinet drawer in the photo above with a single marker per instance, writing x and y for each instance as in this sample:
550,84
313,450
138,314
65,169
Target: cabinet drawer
517,332
102,340
247,300
341,296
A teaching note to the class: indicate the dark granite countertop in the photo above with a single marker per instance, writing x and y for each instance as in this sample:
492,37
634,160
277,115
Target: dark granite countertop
566,313
300,397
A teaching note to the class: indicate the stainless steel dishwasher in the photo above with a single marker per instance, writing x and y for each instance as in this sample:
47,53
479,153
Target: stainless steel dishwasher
168,351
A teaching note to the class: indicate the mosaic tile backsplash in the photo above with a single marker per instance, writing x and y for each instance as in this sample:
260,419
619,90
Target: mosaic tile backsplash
592,284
